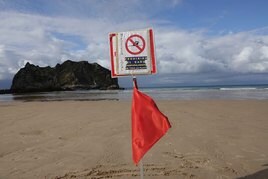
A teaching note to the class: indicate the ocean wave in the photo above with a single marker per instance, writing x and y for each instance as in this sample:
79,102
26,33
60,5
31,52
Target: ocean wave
174,93
229,89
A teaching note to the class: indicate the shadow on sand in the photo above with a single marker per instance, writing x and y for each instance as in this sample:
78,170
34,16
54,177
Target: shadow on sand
262,174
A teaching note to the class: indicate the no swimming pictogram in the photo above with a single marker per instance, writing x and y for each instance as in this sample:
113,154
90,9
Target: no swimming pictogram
135,44
132,53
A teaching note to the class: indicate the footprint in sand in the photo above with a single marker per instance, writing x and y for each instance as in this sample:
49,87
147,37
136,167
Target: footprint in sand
34,132
125,171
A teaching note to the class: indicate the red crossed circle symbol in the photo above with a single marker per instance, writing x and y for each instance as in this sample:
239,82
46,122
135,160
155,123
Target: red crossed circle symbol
134,42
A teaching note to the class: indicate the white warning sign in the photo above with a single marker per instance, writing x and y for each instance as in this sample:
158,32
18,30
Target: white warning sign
132,53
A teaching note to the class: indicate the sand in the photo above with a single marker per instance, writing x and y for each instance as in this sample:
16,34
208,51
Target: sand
92,139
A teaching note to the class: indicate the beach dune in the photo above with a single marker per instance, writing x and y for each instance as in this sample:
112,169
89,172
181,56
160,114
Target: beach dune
92,139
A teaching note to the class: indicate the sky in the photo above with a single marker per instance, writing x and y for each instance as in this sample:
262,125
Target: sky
197,42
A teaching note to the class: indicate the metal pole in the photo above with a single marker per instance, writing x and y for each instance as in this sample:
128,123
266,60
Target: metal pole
141,169
135,84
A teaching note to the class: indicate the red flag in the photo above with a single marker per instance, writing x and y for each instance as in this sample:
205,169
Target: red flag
148,124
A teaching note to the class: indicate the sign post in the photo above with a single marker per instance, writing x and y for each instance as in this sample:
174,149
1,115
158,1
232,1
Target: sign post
132,53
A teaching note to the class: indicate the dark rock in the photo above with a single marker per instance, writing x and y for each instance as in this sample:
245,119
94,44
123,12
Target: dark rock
67,76
5,91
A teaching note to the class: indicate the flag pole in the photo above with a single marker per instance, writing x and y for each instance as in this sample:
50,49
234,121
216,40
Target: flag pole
135,84
141,169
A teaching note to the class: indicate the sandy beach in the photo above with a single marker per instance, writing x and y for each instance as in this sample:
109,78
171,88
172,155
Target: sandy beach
92,139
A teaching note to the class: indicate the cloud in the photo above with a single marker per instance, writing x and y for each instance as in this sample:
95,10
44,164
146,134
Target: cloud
116,10
181,51
79,31
48,40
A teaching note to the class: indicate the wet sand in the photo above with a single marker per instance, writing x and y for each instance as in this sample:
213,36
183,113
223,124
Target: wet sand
92,139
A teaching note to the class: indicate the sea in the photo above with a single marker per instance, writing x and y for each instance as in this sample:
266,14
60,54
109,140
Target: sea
230,92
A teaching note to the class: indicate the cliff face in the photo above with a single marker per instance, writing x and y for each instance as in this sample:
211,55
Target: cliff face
67,76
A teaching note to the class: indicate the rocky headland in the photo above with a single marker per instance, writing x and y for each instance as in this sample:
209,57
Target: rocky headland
69,75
